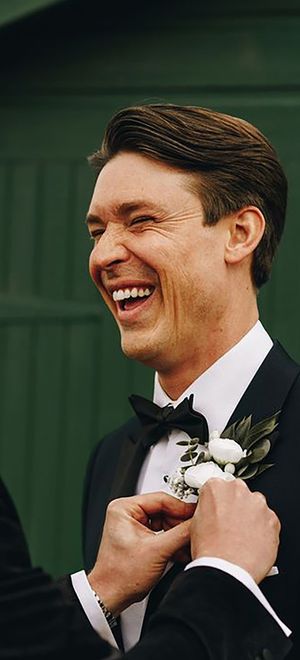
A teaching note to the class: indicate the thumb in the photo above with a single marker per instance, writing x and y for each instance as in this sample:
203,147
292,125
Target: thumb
174,539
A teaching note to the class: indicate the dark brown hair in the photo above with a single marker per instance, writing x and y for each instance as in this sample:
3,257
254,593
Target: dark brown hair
233,163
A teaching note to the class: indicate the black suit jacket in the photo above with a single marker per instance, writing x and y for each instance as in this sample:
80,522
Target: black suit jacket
39,618
42,620
116,461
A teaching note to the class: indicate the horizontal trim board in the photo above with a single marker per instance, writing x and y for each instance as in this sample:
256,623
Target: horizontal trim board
97,92
210,51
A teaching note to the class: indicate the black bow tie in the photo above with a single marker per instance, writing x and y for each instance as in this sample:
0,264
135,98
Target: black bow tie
157,421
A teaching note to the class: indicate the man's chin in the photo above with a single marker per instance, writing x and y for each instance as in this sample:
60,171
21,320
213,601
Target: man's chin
138,351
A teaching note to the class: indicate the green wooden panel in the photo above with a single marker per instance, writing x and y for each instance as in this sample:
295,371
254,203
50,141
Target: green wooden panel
47,440
81,284
22,230
53,253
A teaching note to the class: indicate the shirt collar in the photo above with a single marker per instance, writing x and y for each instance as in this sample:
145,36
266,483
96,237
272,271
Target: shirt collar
218,390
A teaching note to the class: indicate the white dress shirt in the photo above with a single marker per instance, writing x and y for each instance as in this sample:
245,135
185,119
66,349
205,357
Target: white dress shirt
216,394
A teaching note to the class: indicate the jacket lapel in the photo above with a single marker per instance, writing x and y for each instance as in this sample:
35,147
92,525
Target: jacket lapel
268,390
129,464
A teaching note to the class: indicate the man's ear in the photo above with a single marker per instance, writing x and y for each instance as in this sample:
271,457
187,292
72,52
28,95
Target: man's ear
245,230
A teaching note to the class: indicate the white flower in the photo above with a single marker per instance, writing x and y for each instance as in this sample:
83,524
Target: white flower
224,450
177,485
197,475
229,467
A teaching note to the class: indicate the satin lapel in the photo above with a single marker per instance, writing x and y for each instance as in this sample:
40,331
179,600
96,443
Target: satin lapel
130,461
269,388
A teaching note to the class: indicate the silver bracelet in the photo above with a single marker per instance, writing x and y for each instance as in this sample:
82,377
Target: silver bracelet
111,620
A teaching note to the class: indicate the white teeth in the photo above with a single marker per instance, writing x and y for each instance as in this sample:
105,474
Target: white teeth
118,295
121,294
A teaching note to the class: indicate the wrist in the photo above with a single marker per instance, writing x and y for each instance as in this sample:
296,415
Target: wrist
110,618
106,593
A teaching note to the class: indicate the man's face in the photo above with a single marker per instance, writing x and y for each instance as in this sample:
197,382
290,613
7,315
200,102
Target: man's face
159,269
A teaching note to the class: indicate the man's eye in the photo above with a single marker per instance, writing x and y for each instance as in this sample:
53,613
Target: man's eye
96,234
141,220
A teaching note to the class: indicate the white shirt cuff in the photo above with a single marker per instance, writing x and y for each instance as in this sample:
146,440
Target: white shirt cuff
244,577
92,610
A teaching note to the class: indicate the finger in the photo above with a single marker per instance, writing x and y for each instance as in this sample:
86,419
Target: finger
156,523
174,539
142,507
161,521
259,497
169,521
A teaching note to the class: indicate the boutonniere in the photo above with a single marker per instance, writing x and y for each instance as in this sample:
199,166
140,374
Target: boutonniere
238,452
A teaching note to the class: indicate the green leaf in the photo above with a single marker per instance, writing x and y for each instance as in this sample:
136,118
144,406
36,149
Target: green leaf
255,470
247,437
264,466
253,443
242,463
261,450
229,432
242,430
188,443
189,456
241,470
263,429
249,472
200,458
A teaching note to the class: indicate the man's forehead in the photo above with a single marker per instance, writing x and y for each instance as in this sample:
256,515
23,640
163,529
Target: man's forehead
137,174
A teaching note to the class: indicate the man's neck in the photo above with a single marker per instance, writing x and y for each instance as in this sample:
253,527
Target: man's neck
177,379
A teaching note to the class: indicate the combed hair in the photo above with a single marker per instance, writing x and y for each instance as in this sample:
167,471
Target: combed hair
232,163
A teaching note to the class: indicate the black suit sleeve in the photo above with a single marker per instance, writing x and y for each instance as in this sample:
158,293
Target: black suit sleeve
39,618
209,615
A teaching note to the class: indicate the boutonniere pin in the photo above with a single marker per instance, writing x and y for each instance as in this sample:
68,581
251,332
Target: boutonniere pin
238,452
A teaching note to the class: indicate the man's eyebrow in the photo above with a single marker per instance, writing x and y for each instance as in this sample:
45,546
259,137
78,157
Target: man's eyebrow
124,208
91,218
135,205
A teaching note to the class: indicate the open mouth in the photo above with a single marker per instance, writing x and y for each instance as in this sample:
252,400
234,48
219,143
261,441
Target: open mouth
130,298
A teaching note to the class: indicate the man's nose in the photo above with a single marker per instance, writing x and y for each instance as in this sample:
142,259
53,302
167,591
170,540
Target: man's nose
110,249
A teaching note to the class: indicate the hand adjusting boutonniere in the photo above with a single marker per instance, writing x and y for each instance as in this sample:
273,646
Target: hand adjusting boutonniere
237,452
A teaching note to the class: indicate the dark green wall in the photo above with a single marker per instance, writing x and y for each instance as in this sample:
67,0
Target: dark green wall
61,79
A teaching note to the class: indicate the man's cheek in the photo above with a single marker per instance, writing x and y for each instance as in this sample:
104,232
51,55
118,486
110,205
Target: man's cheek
93,270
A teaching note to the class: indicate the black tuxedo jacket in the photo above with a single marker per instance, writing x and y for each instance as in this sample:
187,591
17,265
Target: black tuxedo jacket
42,620
116,461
